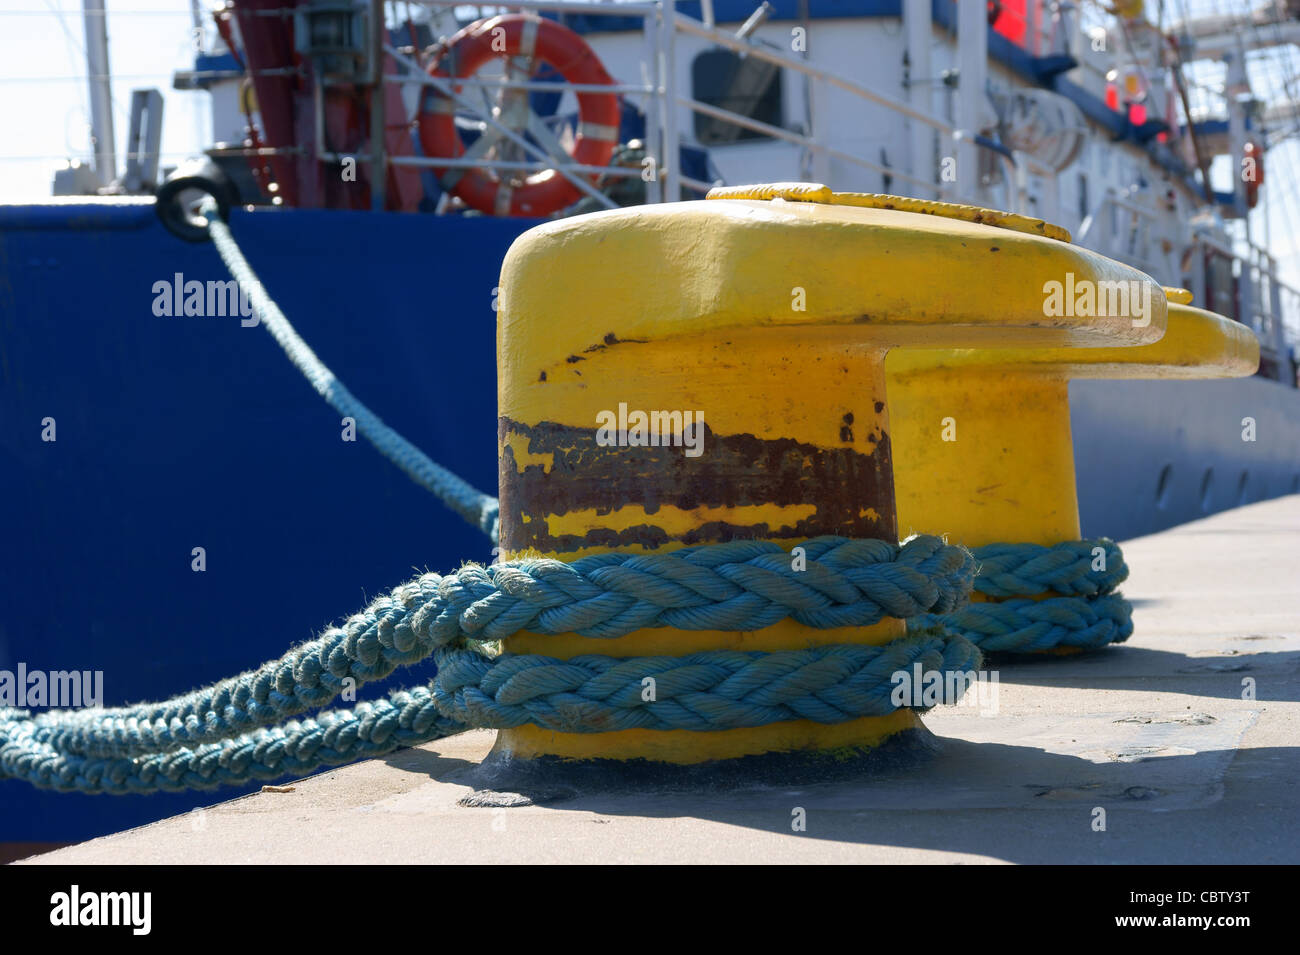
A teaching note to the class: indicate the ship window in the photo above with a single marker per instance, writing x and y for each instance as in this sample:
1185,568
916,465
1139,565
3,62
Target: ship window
747,86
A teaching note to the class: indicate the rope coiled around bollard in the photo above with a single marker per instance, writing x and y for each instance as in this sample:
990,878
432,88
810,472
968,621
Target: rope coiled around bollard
1086,616
223,735
1068,568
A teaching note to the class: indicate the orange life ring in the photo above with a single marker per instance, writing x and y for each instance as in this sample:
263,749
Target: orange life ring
515,35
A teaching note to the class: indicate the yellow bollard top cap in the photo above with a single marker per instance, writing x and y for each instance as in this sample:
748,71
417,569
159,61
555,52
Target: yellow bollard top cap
1196,344
815,192
939,276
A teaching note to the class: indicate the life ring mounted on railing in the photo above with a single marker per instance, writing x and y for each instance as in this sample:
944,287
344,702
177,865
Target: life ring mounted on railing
512,37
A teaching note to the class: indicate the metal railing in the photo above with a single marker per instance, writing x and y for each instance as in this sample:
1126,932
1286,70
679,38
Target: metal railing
1118,226
662,25
1252,293
1125,229
1259,299
823,78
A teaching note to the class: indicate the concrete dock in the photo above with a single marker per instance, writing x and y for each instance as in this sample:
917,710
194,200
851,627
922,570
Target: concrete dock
1180,746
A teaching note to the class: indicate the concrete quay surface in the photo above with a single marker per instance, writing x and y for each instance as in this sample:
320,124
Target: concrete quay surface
1187,737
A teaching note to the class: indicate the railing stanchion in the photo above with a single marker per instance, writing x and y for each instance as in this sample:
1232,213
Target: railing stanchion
670,153
653,138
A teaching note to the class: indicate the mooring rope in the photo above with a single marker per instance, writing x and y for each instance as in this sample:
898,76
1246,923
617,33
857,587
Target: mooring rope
473,505
223,734
1086,615
1032,626
244,728
1083,568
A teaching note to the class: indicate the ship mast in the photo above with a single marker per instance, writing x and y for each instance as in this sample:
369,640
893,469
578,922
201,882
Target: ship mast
101,94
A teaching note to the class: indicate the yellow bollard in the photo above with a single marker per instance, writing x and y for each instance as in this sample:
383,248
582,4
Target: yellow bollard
765,319
982,448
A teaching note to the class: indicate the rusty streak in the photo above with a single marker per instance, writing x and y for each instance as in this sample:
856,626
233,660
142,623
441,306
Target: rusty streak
851,490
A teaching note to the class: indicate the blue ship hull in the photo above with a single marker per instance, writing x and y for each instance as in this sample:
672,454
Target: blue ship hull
175,433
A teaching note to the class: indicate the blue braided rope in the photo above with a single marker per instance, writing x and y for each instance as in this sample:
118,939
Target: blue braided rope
1086,616
222,734
473,505
1033,626
703,691
719,689
1025,570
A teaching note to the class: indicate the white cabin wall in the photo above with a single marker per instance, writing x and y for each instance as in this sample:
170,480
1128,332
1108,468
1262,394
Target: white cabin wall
869,51
866,51
228,121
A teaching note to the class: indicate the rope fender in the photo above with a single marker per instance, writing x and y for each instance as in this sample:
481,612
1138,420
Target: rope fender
218,735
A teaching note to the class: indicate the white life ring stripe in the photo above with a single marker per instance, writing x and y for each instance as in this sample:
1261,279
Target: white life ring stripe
606,134
504,194
528,37
436,102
